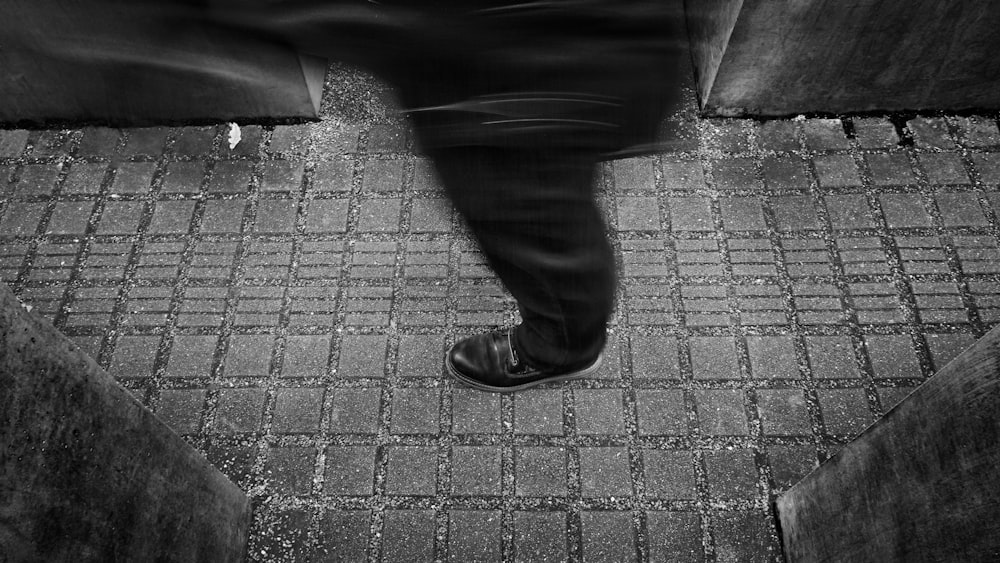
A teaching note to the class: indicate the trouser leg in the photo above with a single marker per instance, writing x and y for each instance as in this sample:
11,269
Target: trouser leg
535,218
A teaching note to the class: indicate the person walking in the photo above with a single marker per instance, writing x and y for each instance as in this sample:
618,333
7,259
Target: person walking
515,103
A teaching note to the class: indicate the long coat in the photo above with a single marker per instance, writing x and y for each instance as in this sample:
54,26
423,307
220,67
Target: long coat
590,74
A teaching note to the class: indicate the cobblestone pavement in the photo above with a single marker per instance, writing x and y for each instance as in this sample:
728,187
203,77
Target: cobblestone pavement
285,306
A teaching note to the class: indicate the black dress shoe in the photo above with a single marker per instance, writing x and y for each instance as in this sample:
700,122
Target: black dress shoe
488,362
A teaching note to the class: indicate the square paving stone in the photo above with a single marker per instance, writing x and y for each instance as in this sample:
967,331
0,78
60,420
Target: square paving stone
191,141
430,215
892,356
849,211
191,356
349,470
661,412
145,140
133,178
845,412
931,133
475,412
333,176
37,180
305,356
608,537
836,171
946,347
732,475
599,411
654,356
289,139
21,219
778,135
783,412
289,471
387,138
474,536
281,176
411,470
785,172
183,177
475,470
408,536
171,217
604,472
223,216
230,177
362,356
539,537
680,174
53,142
669,474
977,131
539,411
875,133
904,210
379,215
13,143
638,214
249,355
343,536
425,177
960,209
795,213
825,134
890,169
744,536
892,396
789,464
120,218
721,412
728,135
742,214
355,411
690,214
134,356
944,168
674,537
415,411
540,471
297,410
420,355
275,216
611,368
831,357
772,357
84,178
239,410
383,176
735,174
714,357
634,174
181,409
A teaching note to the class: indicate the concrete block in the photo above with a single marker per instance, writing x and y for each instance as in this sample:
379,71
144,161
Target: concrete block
88,474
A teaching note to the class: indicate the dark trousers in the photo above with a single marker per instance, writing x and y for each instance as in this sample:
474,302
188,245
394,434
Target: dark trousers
534,215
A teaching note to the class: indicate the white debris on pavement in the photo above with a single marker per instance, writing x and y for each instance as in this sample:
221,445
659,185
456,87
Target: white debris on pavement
235,136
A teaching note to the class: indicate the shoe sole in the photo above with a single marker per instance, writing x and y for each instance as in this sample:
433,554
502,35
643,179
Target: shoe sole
468,381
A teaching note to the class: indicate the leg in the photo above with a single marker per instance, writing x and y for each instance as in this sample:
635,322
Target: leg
534,216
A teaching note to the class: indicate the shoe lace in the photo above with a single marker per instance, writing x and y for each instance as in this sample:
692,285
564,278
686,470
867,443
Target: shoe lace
515,361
